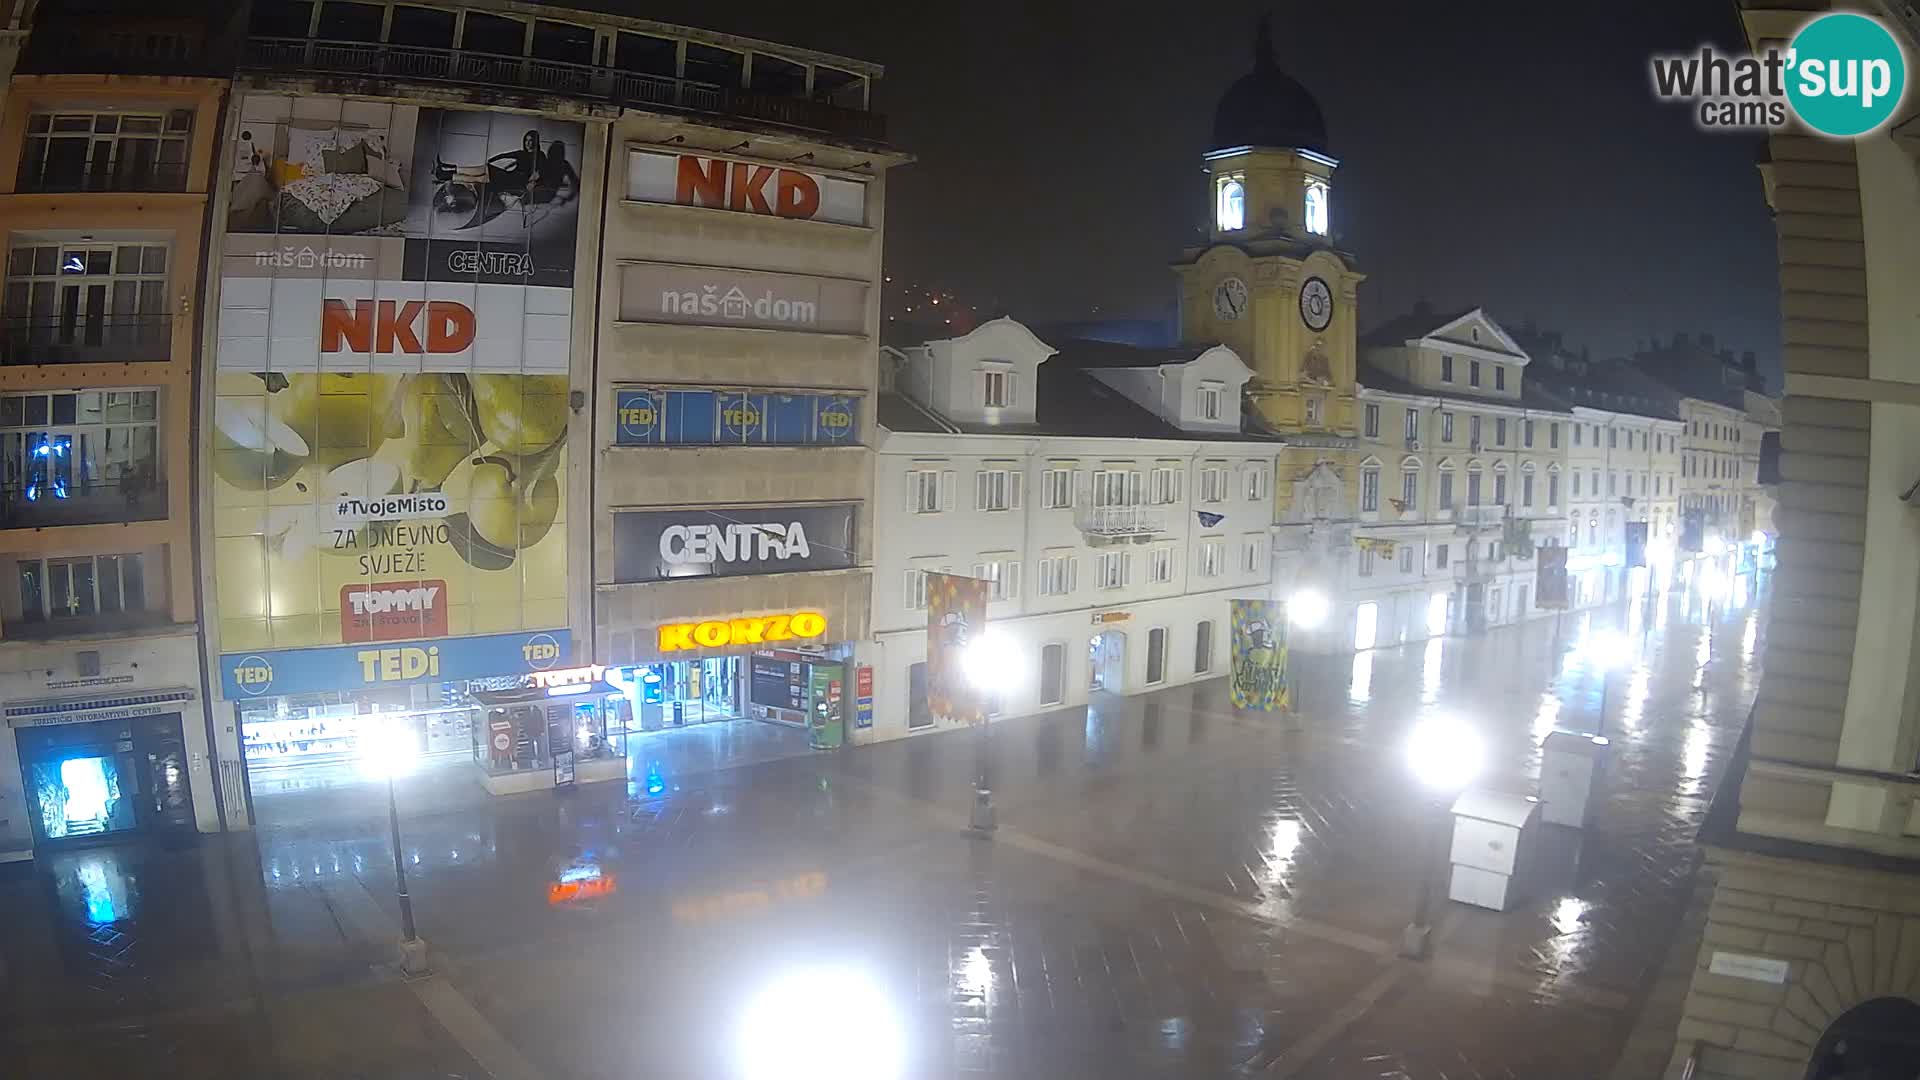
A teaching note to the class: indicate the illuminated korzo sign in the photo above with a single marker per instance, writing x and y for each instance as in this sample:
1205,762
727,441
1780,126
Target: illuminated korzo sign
758,630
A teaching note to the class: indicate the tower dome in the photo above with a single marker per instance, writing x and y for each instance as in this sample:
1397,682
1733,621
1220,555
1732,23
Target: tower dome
1266,107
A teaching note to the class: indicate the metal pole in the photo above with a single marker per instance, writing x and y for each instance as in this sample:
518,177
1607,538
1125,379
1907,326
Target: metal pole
1414,940
400,867
1606,683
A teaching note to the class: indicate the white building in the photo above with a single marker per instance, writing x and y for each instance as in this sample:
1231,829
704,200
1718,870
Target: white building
1105,490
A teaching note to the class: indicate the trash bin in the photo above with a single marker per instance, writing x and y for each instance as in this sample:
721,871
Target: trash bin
1570,766
1491,831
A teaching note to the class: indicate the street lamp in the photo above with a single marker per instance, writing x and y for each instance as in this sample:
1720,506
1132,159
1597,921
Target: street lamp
1607,650
385,751
1444,754
1307,609
988,663
778,1036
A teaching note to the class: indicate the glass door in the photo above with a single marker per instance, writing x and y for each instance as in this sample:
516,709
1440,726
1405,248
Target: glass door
82,789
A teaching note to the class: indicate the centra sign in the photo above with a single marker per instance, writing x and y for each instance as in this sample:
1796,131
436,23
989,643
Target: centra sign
759,630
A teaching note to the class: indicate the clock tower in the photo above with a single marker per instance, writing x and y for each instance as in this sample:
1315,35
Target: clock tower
1269,282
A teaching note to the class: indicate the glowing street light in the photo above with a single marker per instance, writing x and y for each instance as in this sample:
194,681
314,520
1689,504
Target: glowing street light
1444,755
989,662
1606,651
386,749
780,1035
1308,608
1716,547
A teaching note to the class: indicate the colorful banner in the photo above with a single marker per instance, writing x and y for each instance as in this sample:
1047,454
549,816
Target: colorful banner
361,667
1260,656
956,615
391,407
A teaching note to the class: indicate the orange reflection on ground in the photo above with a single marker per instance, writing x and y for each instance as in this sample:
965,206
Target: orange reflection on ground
747,901
563,892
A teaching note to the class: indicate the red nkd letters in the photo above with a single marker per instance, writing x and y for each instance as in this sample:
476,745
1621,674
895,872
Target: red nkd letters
393,326
737,185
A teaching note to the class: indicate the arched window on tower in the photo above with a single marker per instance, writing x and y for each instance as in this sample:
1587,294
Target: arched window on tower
1317,207
1231,214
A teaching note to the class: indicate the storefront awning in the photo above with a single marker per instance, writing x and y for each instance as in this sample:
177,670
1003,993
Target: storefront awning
102,707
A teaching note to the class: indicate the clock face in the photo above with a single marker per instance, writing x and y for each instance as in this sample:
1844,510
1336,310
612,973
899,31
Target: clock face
1316,304
1230,298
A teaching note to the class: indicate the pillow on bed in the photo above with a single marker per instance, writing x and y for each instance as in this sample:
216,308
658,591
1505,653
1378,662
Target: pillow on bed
351,159
387,171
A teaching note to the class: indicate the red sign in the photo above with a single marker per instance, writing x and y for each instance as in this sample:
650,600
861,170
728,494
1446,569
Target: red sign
390,326
740,185
863,681
393,611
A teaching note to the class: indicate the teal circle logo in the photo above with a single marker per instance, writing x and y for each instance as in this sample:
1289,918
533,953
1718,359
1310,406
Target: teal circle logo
1846,74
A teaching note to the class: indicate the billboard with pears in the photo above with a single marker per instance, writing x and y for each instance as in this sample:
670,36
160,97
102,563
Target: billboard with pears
388,444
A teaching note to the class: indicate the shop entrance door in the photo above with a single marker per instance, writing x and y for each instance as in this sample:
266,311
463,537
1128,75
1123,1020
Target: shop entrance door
106,778
1053,673
1107,661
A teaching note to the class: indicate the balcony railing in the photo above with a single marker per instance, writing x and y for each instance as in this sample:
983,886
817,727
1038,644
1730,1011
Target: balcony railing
39,506
1479,517
125,339
413,63
1123,521
121,176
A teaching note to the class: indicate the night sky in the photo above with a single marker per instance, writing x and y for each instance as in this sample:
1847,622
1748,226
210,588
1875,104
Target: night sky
1504,154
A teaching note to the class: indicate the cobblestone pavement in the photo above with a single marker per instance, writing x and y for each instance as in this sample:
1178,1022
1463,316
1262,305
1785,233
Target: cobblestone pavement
1174,890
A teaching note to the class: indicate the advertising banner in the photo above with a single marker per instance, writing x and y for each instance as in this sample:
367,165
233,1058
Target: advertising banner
719,296
1550,579
744,186
388,443
654,545
956,614
1260,656
352,667
650,417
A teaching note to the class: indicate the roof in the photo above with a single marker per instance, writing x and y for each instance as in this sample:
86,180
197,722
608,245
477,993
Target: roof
1070,403
1267,107
1084,354
1417,323
1536,398
1611,385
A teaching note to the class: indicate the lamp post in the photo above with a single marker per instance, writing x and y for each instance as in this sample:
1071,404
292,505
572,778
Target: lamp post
1607,650
988,662
385,754
1444,755
1308,610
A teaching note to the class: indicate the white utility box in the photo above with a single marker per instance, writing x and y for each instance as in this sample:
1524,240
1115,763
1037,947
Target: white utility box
1491,831
1570,767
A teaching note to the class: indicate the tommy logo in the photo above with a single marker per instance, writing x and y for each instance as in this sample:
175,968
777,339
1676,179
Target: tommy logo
393,611
393,326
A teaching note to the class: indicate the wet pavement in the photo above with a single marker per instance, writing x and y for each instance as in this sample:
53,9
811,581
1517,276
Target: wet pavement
1174,891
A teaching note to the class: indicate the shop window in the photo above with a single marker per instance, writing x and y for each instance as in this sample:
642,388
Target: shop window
1156,655
1203,647
421,27
919,713
1053,673
340,21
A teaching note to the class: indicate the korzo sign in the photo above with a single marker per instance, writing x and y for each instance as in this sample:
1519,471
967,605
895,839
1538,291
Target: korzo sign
653,545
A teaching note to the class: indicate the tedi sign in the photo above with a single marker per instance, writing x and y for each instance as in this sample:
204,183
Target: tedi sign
655,545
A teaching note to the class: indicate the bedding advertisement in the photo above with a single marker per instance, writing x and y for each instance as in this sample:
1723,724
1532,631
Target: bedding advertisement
389,440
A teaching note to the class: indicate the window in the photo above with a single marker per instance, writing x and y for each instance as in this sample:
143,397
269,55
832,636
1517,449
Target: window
107,151
1210,400
705,63
1231,211
1113,569
996,489
1526,489
1446,368
426,28
924,490
1364,562
1473,432
1526,434
57,589
1473,487
1499,377
1577,430
1004,576
1473,333
81,457
1203,647
1160,565
1116,487
1213,557
1446,427
1553,437
1056,489
1316,207
1163,486
1446,489
1410,487
1613,438
1499,489
571,43
1413,425
1473,373
1315,407
1253,553
1256,482
1156,655
1370,420
1500,431
996,388
1406,558
914,591
87,302
1441,552
508,37
1593,533
1613,478
688,416
1213,484
1370,490
1596,434
1058,575
1553,489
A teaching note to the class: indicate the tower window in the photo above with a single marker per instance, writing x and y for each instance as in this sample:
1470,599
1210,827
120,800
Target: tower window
1231,214
1316,207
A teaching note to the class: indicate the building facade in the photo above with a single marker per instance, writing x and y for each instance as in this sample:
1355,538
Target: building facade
107,166
1808,966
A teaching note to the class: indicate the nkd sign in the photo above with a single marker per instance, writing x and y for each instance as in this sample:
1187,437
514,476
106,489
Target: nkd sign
655,545
712,296
744,187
